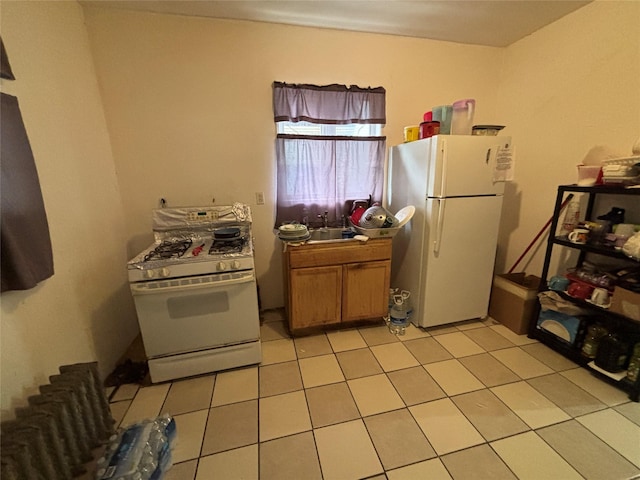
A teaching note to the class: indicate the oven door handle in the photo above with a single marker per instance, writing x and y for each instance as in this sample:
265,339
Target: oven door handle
190,283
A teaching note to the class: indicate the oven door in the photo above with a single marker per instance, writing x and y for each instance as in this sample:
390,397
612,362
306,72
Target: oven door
196,313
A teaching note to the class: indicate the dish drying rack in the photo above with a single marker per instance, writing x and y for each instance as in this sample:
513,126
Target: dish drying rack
621,175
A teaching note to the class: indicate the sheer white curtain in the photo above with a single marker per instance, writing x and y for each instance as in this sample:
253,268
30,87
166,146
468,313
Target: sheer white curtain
318,173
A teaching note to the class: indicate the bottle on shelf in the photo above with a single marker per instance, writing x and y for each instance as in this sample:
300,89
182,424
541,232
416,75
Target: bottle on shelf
571,218
595,333
633,372
612,353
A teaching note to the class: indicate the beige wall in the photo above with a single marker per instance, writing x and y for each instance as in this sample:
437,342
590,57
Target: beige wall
189,107
84,312
567,88
187,115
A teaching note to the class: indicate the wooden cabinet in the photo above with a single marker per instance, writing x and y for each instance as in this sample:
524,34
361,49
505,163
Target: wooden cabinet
614,322
329,284
316,294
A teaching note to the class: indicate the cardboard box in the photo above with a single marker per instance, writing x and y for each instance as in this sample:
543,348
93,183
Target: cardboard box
625,302
513,299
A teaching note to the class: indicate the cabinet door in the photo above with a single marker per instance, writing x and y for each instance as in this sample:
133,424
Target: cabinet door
366,290
315,296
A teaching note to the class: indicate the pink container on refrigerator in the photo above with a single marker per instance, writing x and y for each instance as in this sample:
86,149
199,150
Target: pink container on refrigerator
462,117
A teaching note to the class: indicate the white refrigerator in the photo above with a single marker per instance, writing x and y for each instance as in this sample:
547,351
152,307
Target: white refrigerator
445,255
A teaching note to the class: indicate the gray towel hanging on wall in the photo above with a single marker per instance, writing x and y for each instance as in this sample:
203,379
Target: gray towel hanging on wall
26,252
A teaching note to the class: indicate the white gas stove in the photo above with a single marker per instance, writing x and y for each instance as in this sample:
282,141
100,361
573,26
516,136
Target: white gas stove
195,292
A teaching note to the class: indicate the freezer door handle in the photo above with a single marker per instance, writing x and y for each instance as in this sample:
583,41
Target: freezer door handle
439,225
443,173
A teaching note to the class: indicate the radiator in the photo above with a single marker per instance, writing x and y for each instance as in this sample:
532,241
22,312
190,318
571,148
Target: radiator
53,437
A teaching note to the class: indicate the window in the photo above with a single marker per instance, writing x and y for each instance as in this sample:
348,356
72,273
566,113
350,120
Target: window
329,149
316,129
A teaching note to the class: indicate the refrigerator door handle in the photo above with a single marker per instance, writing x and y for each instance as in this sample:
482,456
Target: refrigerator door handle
439,224
443,173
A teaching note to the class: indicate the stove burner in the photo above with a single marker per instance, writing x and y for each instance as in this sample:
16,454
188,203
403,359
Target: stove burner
233,245
168,249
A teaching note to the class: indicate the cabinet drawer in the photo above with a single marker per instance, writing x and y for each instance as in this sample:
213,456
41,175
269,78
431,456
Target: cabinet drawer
330,254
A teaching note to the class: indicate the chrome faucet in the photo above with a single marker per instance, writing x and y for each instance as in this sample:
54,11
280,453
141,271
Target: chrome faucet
324,219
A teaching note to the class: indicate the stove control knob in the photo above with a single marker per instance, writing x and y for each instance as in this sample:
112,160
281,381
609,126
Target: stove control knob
149,273
164,272
235,264
222,266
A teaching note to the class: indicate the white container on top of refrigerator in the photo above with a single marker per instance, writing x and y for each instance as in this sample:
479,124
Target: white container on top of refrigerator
445,255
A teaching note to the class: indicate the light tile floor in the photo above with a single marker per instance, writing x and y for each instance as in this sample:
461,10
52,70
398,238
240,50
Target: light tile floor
468,401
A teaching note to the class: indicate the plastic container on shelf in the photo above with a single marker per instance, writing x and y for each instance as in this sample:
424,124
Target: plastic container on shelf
442,114
633,372
571,218
429,129
462,116
612,353
411,133
595,333
588,175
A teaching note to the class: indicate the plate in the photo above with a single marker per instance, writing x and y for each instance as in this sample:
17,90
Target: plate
597,304
404,215
299,238
622,160
293,231
291,228
556,328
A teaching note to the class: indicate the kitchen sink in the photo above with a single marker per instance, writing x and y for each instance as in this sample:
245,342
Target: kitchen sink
327,235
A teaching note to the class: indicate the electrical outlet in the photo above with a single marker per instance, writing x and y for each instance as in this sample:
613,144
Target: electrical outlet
259,198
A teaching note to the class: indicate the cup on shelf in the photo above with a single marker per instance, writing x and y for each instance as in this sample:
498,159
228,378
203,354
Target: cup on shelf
579,235
411,133
618,240
600,296
580,290
558,283
588,175
428,129
625,229
598,231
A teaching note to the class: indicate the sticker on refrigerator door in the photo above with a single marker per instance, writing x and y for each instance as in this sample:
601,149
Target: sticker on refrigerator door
505,164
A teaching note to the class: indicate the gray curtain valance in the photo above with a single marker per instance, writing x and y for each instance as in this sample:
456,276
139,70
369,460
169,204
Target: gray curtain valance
329,104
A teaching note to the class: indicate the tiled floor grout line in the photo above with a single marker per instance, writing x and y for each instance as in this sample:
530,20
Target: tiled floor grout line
486,442
406,407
